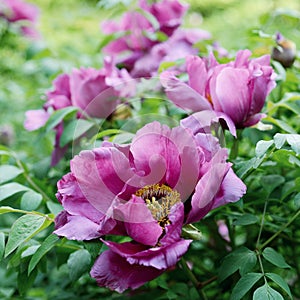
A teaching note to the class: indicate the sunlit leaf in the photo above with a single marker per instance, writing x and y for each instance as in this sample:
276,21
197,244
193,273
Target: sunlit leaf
265,292
23,229
8,172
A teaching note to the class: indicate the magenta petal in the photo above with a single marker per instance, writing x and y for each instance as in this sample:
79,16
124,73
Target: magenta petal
183,95
77,228
197,73
232,189
201,121
139,222
114,272
35,119
208,187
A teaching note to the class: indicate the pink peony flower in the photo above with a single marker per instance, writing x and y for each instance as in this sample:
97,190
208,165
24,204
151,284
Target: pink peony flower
95,92
237,89
146,190
139,48
18,10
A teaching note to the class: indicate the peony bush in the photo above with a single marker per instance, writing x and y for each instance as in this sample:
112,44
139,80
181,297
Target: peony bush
164,165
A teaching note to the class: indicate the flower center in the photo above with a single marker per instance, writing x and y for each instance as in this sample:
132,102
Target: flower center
159,199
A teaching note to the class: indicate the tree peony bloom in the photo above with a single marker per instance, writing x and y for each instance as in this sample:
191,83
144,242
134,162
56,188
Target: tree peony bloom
18,10
95,92
140,48
238,88
146,190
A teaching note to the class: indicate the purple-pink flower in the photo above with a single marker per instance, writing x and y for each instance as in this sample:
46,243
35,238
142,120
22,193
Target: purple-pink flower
146,190
238,88
142,44
95,92
18,10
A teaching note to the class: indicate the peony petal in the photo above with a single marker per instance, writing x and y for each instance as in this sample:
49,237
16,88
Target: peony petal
208,187
183,95
232,189
76,227
114,272
139,223
35,119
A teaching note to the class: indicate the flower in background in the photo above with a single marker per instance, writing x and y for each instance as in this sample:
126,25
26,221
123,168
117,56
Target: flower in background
146,190
24,13
285,52
144,40
178,46
237,89
95,92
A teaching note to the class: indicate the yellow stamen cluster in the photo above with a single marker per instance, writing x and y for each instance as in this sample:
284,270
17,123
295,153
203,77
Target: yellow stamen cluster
159,199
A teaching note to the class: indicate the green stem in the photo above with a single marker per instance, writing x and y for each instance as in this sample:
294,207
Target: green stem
191,276
262,222
235,147
31,182
279,231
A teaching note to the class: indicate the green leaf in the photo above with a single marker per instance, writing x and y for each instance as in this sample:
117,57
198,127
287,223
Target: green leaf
45,247
25,282
8,172
292,139
58,116
262,147
282,125
271,182
10,189
241,259
244,285
55,208
2,244
246,219
275,258
280,282
265,292
297,200
31,200
23,229
246,166
79,263
191,232
74,130
108,132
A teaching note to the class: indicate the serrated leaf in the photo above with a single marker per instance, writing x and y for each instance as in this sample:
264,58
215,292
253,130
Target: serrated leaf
58,116
31,200
245,283
191,232
23,229
262,147
78,263
280,282
10,189
74,130
8,172
45,247
241,259
265,292
275,258
246,219
271,182
2,244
